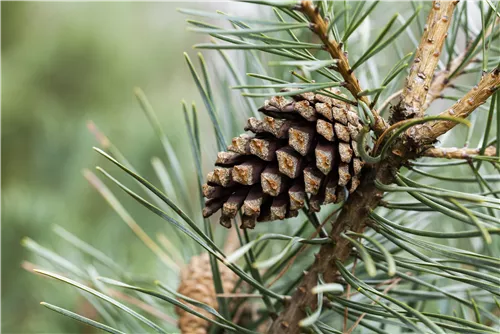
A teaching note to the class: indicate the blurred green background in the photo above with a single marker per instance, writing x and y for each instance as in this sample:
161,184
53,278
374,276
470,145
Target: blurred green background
64,64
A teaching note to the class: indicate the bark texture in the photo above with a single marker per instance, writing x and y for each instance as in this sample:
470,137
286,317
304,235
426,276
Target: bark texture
427,133
458,152
425,61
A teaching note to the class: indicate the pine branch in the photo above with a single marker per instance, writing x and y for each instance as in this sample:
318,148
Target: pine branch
355,214
320,28
354,217
428,133
425,62
458,153
442,80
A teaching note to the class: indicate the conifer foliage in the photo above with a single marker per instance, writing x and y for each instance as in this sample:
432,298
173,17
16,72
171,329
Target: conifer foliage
402,158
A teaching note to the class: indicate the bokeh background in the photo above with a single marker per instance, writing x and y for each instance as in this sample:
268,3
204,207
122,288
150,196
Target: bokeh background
64,64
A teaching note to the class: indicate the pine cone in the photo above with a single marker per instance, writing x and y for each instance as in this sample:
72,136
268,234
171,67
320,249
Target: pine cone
197,283
302,146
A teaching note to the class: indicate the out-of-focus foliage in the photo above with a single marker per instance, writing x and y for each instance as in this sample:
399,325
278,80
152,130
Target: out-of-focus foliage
62,65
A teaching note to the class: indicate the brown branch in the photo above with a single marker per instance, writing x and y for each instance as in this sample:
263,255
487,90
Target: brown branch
458,153
428,133
425,62
320,27
354,216
442,80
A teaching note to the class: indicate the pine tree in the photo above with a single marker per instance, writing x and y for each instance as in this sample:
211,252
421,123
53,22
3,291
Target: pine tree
379,237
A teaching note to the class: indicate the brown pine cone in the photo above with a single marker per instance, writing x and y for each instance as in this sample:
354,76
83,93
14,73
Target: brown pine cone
302,146
197,283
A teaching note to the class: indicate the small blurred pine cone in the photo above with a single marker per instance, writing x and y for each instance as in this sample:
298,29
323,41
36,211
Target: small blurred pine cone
197,283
